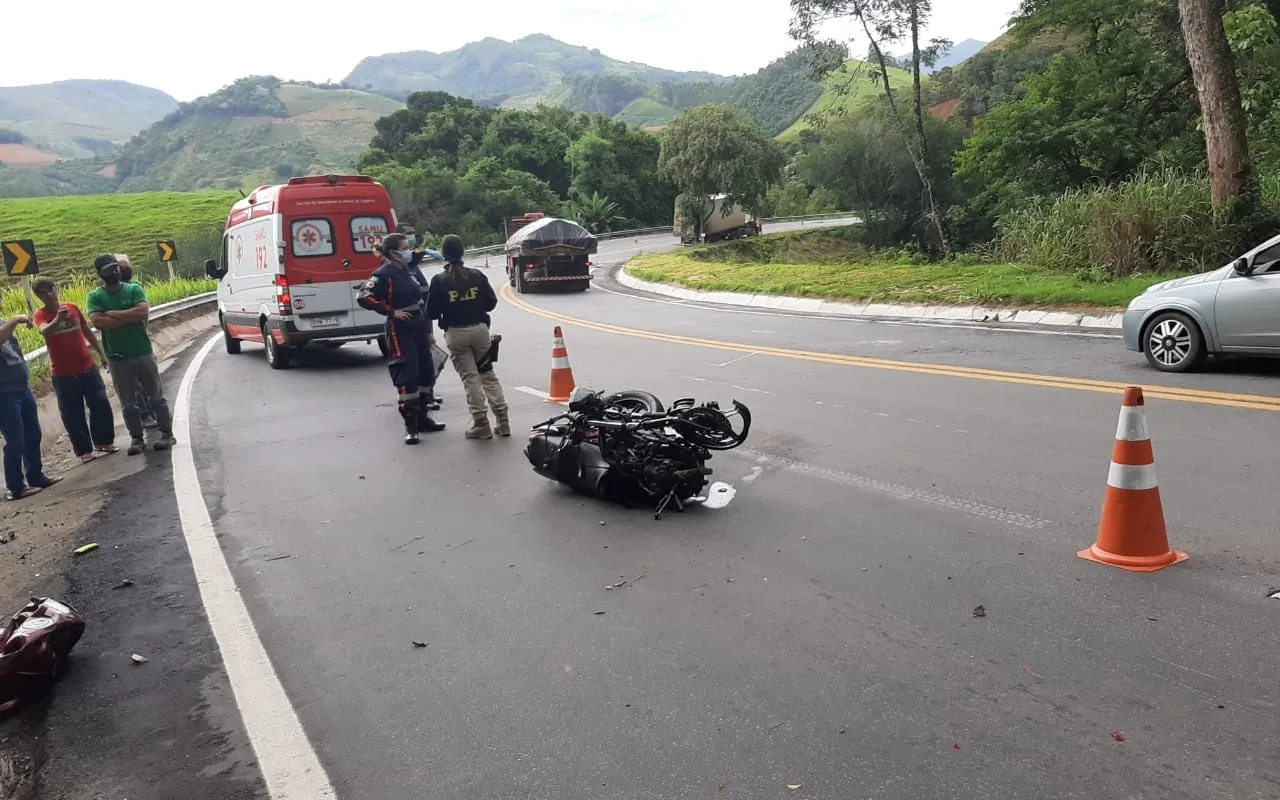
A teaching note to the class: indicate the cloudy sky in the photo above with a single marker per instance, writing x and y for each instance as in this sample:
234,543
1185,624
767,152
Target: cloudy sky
191,53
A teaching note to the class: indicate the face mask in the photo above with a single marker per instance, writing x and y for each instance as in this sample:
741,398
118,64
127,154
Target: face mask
410,239
111,278
126,274
405,256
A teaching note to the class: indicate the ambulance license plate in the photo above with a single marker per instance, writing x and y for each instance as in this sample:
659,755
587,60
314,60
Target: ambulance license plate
325,322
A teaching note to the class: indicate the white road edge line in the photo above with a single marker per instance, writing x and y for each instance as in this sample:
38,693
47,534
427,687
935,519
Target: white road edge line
290,766
706,306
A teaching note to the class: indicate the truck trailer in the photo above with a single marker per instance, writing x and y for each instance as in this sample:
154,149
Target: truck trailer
738,224
548,251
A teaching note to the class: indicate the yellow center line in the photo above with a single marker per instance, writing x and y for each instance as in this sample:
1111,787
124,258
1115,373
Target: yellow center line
1251,401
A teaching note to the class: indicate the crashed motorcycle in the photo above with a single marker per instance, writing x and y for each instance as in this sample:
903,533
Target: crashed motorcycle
627,448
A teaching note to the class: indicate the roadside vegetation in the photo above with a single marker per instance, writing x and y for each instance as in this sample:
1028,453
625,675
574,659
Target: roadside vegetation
834,264
70,231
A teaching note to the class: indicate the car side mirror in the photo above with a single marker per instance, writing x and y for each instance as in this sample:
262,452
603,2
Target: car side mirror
1243,267
212,269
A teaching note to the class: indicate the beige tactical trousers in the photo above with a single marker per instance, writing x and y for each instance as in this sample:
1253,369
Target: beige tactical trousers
466,345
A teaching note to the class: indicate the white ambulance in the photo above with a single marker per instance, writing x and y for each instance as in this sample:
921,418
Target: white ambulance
294,257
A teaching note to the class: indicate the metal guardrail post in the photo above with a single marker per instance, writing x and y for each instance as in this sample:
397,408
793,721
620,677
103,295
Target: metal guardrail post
159,312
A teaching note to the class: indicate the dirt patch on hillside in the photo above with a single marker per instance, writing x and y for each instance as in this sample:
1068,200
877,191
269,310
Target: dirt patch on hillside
109,171
21,155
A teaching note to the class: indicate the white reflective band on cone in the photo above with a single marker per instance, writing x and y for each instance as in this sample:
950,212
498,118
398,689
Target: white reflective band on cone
560,363
1127,476
1133,425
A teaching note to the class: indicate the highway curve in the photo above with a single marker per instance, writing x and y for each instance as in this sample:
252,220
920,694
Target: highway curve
815,631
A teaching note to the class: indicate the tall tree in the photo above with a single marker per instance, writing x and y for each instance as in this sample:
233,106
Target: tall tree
716,149
1213,70
884,23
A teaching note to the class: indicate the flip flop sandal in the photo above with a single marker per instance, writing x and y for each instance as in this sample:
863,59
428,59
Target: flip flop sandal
51,481
108,449
27,492
87,457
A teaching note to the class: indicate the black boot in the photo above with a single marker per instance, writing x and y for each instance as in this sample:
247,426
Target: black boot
432,402
409,412
425,423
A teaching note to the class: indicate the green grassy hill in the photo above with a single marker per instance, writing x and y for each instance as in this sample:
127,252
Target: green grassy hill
864,86
70,231
255,131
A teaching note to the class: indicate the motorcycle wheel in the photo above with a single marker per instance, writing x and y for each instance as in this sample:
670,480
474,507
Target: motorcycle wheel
635,401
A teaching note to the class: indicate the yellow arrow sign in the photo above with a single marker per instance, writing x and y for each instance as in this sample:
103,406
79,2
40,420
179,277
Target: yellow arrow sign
167,250
20,258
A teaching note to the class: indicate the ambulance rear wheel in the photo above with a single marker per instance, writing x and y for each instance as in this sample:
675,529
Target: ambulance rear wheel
277,356
231,343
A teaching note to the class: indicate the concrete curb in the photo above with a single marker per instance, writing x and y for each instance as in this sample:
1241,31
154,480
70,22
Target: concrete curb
835,308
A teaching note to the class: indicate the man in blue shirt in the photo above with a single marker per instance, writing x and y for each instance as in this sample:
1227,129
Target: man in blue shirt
19,419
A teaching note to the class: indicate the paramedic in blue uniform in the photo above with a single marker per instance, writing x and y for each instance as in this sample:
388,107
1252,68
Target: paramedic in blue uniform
415,269
395,292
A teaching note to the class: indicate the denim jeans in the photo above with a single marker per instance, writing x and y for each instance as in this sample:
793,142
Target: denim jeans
75,393
20,425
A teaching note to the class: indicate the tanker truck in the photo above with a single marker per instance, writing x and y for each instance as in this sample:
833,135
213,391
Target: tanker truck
717,227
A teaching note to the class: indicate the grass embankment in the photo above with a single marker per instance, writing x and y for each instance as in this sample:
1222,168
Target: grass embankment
70,231
831,264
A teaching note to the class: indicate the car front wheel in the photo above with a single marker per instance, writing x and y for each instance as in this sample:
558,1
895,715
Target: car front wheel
1173,343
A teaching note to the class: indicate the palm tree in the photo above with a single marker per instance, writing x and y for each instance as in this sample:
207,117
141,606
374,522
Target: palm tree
595,212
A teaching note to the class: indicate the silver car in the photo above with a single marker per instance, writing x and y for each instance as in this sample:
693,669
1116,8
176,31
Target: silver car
1232,310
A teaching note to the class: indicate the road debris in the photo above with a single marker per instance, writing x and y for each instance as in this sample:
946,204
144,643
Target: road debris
419,644
730,580
137,659
35,650
598,613
617,585
1274,594
88,548
1117,735
956,746
980,611
281,558
5,538
720,788
794,786
124,584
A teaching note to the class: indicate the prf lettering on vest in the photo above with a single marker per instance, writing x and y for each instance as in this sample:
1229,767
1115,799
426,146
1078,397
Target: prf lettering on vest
470,294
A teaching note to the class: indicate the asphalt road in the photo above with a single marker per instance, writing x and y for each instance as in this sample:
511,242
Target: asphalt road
816,630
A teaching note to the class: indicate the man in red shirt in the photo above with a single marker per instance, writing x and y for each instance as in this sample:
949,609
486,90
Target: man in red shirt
76,379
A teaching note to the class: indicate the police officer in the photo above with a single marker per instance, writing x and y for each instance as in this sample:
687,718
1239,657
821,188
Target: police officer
396,294
461,299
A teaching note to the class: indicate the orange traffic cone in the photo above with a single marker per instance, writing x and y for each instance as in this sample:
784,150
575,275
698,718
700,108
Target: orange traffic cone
1131,534
562,384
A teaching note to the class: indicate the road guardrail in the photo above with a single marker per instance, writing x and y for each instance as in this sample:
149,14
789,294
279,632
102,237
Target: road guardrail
158,312
497,248
196,300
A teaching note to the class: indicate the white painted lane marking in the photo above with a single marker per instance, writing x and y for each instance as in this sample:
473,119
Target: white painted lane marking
866,320
733,361
893,490
538,393
290,766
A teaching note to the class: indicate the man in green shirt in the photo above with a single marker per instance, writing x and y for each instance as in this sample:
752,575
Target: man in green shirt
120,311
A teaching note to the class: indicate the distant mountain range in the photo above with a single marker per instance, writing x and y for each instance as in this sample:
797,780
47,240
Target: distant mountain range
91,135
493,72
